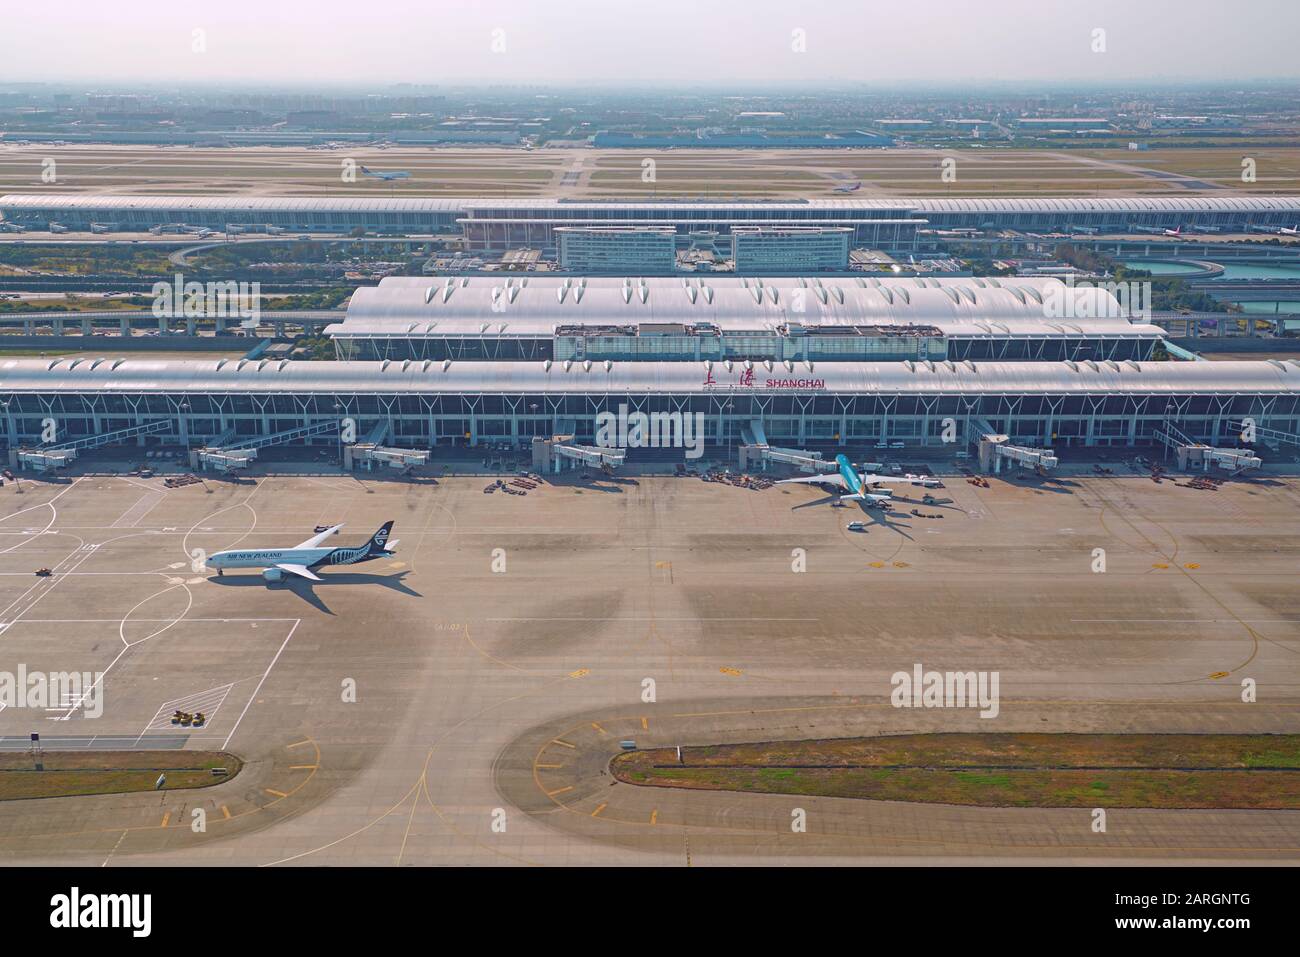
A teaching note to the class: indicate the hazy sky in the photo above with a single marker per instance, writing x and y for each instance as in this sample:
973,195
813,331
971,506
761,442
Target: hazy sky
324,42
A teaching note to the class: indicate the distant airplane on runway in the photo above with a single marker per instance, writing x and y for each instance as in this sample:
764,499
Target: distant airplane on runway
386,176
849,187
301,559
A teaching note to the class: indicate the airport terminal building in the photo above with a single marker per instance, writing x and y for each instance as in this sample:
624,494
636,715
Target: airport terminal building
428,403
494,225
617,249
809,362
732,319
777,250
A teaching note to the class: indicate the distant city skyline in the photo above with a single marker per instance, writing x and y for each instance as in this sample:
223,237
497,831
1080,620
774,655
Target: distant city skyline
764,43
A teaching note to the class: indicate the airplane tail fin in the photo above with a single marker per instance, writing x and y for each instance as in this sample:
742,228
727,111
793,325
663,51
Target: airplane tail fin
379,540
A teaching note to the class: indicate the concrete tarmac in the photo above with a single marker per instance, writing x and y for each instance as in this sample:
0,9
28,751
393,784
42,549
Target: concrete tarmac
458,704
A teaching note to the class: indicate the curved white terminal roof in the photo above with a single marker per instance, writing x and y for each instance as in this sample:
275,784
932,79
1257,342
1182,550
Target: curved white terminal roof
514,328
100,201
918,205
134,376
1137,204
519,305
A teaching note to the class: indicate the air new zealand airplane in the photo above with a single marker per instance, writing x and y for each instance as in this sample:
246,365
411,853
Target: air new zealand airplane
301,559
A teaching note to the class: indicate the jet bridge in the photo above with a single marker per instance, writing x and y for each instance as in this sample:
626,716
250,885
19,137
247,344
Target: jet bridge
372,452
755,452
1192,454
50,457
223,462
219,457
996,449
1252,433
552,454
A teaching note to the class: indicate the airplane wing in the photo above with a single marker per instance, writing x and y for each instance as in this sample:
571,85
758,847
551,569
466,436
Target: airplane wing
302,570
315,540
826,478
870,495
924,481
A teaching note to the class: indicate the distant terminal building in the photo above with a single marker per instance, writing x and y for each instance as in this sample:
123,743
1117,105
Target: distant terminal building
1045,123
617,249
878,224
730,319
499,224
254,213
739,140
226,138
777,250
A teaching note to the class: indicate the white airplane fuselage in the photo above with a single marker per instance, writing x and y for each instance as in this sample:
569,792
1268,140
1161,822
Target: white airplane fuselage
301,559
267,557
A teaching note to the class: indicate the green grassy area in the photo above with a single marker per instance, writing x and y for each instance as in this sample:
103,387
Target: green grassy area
328,298
73,303
73,773
996,770
85,259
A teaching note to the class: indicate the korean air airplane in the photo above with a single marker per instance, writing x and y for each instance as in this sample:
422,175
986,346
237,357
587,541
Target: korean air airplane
859,486
301,559
862,487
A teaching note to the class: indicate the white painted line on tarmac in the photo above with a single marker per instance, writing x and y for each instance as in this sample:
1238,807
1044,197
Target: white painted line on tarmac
253,696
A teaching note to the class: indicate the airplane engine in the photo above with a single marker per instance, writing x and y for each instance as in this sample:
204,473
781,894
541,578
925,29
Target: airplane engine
273,574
